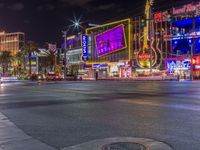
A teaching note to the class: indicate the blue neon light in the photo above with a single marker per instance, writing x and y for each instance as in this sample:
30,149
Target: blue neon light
84,47
175,43
186,22
190,41
97,66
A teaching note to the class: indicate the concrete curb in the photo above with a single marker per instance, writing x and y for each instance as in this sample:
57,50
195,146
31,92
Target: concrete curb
12,138
98,144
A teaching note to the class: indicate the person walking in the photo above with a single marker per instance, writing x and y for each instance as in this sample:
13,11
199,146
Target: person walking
96,75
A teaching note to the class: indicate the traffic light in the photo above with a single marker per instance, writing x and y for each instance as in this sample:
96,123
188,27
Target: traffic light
143,21
169,18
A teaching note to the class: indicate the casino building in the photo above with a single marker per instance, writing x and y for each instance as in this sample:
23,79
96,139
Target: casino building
184,39
175,41
110,50
167,40
74,54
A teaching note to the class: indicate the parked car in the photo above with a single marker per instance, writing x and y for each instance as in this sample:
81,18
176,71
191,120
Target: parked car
53,76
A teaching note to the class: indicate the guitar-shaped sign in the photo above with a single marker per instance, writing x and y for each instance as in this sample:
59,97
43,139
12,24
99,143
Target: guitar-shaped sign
144,55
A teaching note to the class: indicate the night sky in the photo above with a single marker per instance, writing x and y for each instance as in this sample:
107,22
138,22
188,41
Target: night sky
43,20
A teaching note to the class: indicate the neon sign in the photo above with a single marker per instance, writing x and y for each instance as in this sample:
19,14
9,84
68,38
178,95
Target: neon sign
84,47
98,66
189,8
173,65
161,16
144,56
111,40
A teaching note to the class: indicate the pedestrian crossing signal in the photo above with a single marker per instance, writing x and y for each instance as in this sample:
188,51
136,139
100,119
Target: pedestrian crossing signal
143,21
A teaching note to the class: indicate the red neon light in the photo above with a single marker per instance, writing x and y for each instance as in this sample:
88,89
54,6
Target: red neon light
158,17
186,9
144,56
196,60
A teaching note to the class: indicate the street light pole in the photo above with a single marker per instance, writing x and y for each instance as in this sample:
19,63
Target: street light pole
76,24
150,35
65,54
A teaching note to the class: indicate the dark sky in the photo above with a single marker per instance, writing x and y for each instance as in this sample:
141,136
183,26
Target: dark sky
43,20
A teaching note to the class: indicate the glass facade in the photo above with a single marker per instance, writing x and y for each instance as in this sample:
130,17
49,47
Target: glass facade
11,42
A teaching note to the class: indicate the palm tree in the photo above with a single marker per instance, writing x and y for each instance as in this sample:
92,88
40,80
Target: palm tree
51,55
19,61
44,63
5,60
29,48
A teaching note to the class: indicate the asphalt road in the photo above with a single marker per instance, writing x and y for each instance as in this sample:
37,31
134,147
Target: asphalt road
69,113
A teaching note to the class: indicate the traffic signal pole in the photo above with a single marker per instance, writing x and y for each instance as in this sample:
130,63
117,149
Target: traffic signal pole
150,38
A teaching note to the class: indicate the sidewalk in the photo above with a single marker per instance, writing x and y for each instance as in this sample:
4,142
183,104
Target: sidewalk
12,138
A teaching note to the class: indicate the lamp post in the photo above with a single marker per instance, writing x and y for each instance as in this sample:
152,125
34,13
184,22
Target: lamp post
65,55
76,24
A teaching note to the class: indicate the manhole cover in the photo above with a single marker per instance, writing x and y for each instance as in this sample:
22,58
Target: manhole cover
124,146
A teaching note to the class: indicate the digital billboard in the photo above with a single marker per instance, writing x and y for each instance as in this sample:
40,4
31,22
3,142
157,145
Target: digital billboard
111,40
173,65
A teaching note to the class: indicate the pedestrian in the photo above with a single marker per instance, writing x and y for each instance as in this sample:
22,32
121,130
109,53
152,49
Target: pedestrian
96,75
178,77
184,76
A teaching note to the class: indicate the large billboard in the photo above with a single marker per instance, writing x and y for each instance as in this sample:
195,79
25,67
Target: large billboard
111,40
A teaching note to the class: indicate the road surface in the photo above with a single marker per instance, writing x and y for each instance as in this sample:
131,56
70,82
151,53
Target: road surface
63,114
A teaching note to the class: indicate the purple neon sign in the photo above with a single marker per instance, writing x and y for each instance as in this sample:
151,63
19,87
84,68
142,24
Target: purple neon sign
111,40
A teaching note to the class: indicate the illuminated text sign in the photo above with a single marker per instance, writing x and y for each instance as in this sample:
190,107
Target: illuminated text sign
186,9
84,47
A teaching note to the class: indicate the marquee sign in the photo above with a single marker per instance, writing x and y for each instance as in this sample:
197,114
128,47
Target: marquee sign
84,47
173,65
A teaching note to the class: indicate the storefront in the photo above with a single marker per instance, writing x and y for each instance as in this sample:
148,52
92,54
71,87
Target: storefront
120,69
109,51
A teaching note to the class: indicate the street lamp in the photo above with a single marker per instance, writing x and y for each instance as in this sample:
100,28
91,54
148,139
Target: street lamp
75,24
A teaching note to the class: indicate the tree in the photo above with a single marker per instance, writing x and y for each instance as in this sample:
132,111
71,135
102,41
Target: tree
29,48
5,60
51,55
44,63
19,62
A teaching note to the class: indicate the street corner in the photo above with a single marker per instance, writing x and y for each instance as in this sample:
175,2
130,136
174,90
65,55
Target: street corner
121,143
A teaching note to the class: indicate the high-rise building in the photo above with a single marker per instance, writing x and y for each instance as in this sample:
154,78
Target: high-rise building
11,42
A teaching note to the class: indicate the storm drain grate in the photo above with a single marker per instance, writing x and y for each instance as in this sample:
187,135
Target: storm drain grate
124,146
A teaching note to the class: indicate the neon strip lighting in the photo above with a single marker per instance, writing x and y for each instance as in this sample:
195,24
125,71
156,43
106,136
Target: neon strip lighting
107,24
